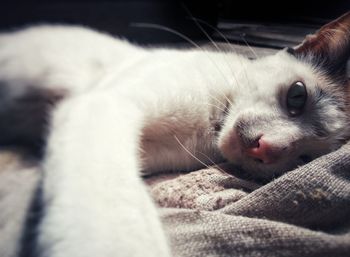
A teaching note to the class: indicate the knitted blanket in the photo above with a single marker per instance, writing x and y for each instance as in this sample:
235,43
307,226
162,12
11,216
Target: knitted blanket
213,212
216,212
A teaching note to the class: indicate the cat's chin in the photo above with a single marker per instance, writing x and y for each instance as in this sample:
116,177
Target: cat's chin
266,171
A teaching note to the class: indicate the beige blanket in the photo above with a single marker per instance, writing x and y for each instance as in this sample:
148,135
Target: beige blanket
306,212
213,212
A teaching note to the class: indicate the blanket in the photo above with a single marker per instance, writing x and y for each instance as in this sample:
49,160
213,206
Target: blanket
217,212
214,212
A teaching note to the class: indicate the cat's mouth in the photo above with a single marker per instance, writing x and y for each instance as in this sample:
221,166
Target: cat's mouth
301,160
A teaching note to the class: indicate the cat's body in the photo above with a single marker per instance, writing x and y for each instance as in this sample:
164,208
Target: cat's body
126,110
119,66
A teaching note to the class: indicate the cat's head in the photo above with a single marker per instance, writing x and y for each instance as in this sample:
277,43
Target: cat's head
294,106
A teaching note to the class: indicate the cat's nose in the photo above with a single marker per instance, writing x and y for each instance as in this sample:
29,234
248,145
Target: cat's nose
263,151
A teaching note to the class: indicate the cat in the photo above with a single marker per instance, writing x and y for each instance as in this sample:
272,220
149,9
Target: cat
110,111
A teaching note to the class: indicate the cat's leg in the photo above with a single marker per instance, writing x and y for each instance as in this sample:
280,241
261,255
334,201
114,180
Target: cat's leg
96,205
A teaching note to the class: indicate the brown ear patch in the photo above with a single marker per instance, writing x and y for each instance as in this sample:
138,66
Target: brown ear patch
329,47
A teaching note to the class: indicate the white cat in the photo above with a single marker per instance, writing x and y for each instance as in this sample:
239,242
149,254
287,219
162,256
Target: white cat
124,110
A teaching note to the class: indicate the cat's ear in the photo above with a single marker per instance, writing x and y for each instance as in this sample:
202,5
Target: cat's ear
329,47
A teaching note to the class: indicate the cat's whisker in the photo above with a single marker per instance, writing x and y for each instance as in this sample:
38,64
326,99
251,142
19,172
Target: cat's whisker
225,58
201,28
196,21
207,35
215,165
226,98
219,101
164,28
219,104
170,30
190,153
231,46
223,110
211,40
219,32
250,48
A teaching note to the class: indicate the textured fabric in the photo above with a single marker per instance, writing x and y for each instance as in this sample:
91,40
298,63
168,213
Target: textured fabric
305,212
208,189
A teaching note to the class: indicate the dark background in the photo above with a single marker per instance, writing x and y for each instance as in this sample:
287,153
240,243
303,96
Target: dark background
116,16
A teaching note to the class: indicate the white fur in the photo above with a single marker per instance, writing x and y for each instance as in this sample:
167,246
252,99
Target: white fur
129,110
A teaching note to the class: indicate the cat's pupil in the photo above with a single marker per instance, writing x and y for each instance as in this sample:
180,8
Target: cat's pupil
296,98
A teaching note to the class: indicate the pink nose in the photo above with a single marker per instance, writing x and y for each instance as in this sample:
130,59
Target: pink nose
263,151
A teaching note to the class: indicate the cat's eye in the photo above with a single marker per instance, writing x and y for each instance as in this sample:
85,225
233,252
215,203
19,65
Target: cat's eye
296,98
